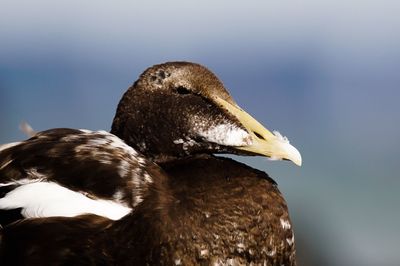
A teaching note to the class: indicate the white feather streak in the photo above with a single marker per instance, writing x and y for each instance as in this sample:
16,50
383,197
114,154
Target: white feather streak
47,199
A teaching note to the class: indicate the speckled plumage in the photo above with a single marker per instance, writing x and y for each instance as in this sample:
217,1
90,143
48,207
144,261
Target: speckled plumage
202,218
230,218
198,209
96,163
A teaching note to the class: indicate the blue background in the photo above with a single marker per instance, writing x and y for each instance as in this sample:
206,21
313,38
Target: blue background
324,73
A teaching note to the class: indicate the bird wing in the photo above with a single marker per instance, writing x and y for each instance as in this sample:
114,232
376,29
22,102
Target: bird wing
67,172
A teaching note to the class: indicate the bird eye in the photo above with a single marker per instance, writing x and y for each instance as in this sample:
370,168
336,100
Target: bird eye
182,90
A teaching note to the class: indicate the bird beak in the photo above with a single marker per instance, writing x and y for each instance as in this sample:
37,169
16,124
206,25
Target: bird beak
265,143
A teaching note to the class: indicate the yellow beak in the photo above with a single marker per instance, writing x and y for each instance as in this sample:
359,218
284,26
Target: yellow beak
272,145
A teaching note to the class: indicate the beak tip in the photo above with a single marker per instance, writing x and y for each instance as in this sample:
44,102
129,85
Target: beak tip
295,156
298,162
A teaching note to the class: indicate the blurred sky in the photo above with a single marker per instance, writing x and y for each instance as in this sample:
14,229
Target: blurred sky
324,73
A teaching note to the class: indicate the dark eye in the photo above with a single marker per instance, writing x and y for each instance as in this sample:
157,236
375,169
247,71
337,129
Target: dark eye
182,90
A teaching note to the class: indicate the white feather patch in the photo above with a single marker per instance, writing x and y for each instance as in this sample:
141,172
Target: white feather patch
23,181
8,145
285,224
47,199
227,135
280,136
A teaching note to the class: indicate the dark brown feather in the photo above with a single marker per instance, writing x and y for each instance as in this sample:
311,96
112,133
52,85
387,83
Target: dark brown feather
213,210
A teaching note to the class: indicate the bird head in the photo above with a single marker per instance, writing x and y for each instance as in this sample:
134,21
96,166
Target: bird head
178,109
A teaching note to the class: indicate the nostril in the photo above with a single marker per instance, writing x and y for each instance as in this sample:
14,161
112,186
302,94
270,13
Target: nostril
258,135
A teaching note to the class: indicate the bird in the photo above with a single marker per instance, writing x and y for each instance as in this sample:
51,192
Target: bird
190,206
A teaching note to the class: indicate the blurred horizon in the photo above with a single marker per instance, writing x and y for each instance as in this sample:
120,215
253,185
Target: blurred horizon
324,74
